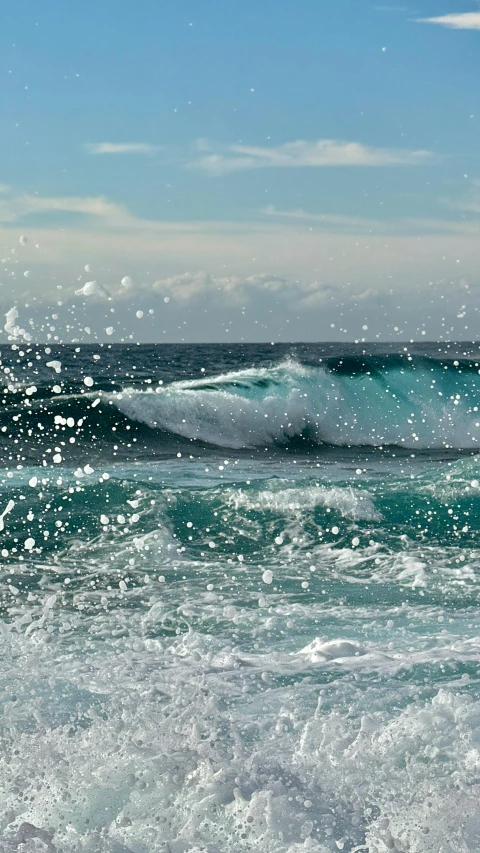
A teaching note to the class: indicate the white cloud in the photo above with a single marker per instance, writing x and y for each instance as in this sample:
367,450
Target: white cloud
13,207
278,271
121,148
330,221
460,21
235,287
301,153
404,225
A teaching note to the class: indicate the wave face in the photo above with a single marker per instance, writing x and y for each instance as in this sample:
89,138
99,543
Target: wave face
420,403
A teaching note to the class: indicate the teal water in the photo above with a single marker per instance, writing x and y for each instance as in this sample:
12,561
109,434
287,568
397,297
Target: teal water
239,599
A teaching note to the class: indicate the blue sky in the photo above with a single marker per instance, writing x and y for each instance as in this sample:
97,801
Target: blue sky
272,169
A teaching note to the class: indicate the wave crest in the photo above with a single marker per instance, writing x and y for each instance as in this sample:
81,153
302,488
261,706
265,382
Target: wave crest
416,406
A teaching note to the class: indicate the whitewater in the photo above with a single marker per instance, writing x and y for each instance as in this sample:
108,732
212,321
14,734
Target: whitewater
240,599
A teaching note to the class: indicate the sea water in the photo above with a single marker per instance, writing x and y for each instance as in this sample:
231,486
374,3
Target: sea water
239,598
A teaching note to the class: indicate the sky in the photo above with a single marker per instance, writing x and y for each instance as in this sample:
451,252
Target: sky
211,171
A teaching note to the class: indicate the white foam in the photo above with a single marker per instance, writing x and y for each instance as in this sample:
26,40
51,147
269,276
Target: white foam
12,329
121,735
349,502
320,650
93,288
163,703
155,744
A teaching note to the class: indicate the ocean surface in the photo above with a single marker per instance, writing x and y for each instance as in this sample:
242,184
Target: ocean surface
239,598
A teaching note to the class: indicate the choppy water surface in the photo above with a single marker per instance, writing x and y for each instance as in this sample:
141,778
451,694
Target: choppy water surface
240,601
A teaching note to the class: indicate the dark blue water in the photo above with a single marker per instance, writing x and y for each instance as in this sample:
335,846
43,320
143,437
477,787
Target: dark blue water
240,600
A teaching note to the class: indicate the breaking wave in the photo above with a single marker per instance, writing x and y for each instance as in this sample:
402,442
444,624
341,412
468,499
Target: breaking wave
423,404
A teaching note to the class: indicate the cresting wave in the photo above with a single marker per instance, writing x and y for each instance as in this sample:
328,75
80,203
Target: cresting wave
419,404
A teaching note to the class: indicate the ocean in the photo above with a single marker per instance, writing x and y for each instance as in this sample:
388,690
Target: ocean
239,598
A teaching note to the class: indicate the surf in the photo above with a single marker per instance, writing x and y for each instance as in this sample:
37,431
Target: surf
395,400
424,405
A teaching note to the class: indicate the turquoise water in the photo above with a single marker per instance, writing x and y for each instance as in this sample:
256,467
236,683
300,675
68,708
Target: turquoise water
240,601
